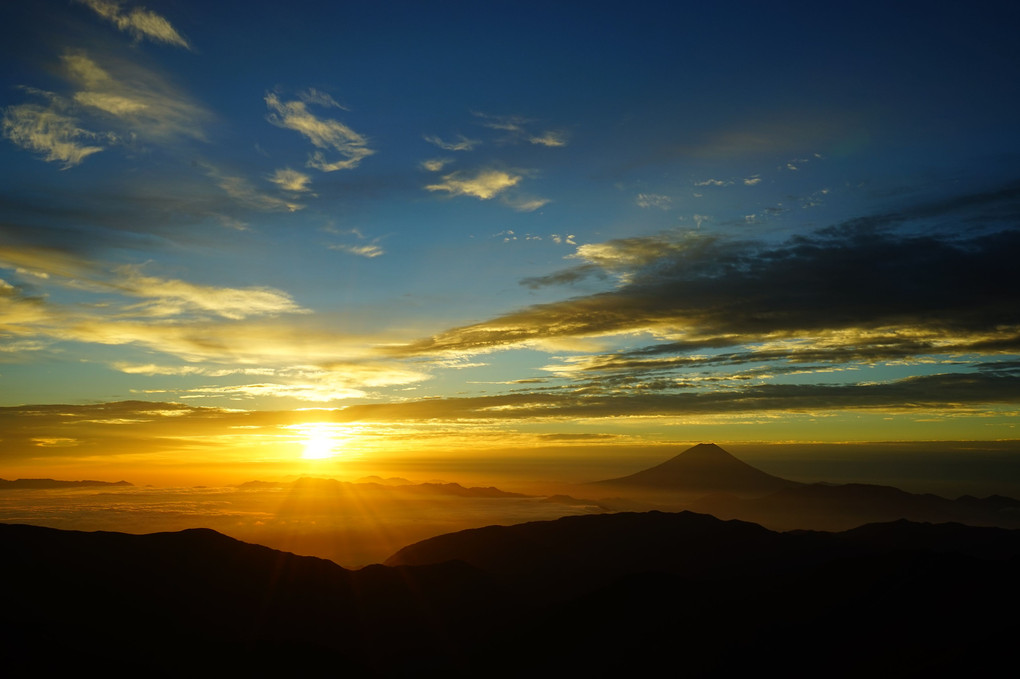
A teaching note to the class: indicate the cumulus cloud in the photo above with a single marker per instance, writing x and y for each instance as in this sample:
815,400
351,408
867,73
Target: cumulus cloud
484,184
324,133
462,143
138,22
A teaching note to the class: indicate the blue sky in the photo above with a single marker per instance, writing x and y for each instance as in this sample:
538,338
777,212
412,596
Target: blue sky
513,220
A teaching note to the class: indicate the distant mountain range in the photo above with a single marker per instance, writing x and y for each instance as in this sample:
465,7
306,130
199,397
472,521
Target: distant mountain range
706,478
627,594
43,484
384,486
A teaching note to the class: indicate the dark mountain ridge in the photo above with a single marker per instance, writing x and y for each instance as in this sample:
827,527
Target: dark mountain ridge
599,595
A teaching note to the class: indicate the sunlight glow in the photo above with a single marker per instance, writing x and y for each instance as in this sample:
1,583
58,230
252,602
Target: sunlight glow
322,441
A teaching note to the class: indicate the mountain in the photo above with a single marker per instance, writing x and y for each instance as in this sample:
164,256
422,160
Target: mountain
386,486
821,506
707,479
37,484
704,468
198,603
600,596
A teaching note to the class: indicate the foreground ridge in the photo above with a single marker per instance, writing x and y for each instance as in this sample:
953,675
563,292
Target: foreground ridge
503,600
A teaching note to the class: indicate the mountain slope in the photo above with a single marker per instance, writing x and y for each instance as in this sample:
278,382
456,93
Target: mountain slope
600,596
704,468
820,506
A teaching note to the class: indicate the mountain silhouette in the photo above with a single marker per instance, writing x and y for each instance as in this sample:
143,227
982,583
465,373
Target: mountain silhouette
45,484
704,468
601,595
822,506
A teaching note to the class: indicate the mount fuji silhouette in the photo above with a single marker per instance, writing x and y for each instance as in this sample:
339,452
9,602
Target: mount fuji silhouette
704,468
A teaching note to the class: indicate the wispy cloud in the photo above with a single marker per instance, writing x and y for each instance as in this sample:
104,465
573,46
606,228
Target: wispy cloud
436,164
130,95
369,251
47,130
523,203
462,143
246,195
169,297
506,123
163,297
361,248
111,103
549,138
517,129
484,185
291,180
138,22
654,200
324,133
314,96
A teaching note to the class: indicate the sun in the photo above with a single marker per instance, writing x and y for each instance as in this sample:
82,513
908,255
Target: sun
321,441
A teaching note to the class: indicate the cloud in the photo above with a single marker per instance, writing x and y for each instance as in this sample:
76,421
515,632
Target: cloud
323,133
921,394
654,200
752,181
138,22
514,124
368,251
48,131
291,180
713,182
860,276
484,185
314,96
169,297
124,93
550,138
516,128
235,329
114,103
462,143
436,164
523,203
241,190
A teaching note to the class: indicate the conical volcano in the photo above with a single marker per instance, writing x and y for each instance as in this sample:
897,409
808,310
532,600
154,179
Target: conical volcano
705,468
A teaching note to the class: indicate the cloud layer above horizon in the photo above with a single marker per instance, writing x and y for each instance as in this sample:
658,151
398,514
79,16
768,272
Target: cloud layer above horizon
406,217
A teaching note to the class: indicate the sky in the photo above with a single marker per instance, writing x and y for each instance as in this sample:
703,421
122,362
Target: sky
265,237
